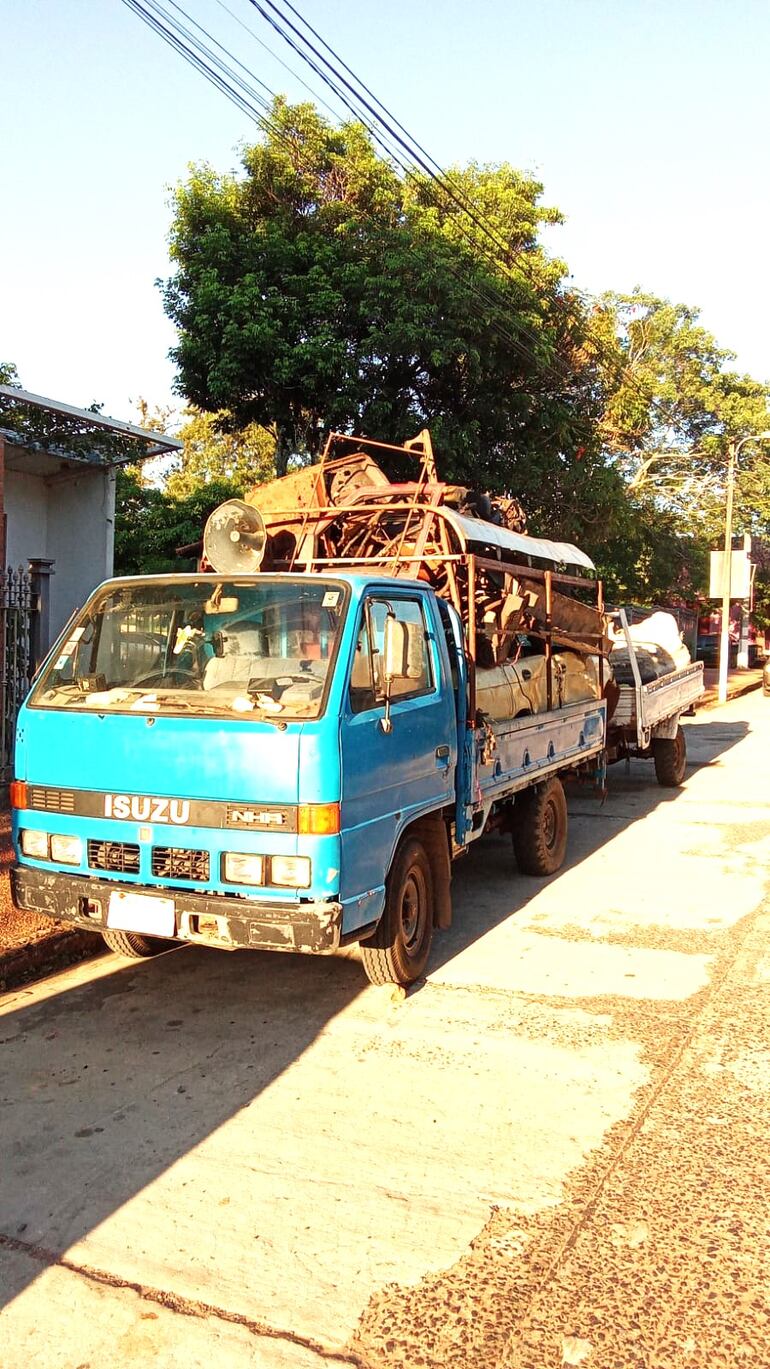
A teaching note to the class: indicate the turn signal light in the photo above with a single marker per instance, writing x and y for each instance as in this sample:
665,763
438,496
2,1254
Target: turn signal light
318,819
18,794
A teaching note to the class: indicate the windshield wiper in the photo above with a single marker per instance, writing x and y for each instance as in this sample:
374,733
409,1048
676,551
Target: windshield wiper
280,723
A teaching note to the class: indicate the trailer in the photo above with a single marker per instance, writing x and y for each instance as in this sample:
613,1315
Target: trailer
646,720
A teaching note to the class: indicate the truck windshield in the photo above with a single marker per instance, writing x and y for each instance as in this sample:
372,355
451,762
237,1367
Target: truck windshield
208,646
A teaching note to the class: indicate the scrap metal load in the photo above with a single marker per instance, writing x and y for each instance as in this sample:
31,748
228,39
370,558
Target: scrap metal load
345,513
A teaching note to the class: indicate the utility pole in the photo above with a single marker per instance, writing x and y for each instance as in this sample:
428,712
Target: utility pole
727,566
727,561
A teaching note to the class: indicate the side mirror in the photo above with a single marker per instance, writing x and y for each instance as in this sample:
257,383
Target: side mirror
395,664
402,648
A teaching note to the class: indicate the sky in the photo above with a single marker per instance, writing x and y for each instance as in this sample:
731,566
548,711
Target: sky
647,122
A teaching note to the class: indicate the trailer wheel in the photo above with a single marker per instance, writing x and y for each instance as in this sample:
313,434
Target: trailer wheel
397,952
540,829
132,944
670,757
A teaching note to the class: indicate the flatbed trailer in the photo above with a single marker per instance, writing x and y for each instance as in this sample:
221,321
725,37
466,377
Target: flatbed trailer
646,719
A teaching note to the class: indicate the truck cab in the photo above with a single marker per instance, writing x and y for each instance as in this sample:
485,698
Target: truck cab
248,761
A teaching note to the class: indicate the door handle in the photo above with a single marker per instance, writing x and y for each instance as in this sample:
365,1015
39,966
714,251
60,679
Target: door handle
526,674
442,753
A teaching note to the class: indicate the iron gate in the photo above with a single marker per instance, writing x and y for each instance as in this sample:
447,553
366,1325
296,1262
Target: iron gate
16,607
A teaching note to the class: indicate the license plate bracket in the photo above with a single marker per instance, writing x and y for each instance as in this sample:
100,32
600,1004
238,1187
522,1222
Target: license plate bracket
143,913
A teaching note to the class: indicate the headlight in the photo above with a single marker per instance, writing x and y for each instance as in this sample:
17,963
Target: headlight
293,872
35,844
67,850
242,869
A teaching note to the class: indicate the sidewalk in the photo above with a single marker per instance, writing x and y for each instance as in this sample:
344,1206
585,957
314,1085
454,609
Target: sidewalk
738,682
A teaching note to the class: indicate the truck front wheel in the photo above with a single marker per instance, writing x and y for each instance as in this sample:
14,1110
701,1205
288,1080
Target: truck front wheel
540,829
133,945
670,757
397,953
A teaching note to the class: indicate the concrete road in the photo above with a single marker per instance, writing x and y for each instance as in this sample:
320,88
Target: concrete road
552,1152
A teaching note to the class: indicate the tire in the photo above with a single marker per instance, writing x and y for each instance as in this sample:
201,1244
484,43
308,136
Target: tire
132,944
670,757
540,829
398,951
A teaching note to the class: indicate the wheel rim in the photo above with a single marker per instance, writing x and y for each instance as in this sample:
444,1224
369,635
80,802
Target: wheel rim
413,903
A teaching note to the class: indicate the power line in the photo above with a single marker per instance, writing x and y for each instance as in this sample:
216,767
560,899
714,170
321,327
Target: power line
176,40
406,145
180,38
413,149
425,161
271,51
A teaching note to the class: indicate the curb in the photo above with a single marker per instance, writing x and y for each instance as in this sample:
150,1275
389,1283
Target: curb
713,702
40,958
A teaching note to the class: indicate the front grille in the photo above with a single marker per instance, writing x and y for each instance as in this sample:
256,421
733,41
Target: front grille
169,862
52,800
120,856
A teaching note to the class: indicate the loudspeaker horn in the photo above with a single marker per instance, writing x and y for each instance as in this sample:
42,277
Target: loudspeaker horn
234,541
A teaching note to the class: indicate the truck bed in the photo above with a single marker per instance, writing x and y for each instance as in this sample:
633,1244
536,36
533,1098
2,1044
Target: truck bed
527,750
652,703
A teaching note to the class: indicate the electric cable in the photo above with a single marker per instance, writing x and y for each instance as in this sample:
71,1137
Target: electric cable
176,41
483,292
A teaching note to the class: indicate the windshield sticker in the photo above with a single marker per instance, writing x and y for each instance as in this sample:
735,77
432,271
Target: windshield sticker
331,598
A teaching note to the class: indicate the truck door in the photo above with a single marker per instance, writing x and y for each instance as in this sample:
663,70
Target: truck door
389,777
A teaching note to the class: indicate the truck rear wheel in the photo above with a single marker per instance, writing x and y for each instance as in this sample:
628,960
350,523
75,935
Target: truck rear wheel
132,944
670,757
540,828
398,951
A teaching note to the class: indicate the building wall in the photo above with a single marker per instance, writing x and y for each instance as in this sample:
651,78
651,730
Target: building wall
81,512
26,508
69,519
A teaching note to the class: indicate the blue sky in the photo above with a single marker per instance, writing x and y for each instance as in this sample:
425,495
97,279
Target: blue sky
647,122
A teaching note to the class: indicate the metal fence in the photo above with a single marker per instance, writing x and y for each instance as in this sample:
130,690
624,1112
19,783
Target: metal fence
16,610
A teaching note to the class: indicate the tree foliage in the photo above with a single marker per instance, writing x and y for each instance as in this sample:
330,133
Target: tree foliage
151,524
213,450
318,291
675,406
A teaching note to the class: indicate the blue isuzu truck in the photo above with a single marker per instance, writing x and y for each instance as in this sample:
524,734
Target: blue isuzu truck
291,759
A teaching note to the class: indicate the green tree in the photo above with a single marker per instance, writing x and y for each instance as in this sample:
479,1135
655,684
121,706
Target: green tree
317,290
9,374
150,525
674,405
214,451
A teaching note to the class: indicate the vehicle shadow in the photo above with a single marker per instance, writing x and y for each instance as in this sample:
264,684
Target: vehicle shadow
109,1082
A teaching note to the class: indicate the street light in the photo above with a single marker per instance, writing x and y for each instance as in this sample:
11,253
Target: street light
727,560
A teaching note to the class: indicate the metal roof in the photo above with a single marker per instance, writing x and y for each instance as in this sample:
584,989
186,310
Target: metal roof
479,531
160,443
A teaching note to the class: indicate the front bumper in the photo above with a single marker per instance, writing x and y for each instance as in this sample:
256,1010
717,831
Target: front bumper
202,918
